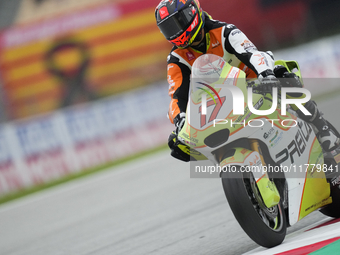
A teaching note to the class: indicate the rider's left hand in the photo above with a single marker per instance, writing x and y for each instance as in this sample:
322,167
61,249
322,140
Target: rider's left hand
178,150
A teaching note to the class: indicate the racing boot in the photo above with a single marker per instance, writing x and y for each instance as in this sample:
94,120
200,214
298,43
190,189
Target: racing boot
327,136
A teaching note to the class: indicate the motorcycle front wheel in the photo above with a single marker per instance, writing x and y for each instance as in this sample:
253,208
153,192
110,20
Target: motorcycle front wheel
265,226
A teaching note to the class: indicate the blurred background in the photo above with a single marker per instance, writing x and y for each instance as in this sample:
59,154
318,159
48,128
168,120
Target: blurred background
83,82
55,53
83,88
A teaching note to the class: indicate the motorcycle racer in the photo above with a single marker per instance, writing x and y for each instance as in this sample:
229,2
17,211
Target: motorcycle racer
193,33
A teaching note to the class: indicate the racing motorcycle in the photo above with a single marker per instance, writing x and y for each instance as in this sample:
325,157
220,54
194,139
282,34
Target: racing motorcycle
274,171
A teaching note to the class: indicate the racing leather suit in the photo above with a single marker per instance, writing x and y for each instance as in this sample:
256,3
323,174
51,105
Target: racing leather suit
224,40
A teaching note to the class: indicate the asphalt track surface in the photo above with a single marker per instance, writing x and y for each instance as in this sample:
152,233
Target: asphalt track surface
147,206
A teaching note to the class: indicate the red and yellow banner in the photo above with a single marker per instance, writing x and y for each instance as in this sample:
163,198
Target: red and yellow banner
80,56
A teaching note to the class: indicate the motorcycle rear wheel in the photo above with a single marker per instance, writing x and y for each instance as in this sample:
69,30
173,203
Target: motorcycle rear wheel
250,213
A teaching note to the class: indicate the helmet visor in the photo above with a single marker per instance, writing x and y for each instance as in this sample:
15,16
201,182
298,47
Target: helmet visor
176,24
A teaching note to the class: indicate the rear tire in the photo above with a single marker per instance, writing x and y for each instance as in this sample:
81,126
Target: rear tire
331,211
265,230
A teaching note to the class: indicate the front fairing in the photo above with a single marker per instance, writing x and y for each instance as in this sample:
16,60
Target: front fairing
216,89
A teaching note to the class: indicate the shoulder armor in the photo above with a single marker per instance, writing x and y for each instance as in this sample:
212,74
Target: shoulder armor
229,28
172,59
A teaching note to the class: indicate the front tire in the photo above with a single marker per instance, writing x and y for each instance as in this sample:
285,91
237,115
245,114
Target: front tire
265,226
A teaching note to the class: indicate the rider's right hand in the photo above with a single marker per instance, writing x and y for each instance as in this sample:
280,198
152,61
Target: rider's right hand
178,150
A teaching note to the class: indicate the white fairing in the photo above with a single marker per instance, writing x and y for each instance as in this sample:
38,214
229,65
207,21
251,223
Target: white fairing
289,142
292,147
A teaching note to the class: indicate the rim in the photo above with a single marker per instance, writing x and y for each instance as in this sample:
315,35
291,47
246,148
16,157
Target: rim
271,217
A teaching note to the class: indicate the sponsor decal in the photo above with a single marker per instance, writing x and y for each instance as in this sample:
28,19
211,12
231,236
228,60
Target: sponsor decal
192,139
190,56
171,85
244,151
262,59
297,146
277,132
235,32
242,116
256,161
248,46
193,10
276,139
317,205
256,106
336,181
269,133
163,12
194,23
170,66
190,143
214,45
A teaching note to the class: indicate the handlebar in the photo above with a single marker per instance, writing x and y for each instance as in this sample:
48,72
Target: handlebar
263,88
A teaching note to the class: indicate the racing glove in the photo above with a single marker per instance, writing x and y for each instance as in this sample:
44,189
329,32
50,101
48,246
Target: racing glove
267,80
178,150
288,79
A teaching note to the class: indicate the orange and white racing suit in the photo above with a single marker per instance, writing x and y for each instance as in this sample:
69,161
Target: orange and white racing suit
221,39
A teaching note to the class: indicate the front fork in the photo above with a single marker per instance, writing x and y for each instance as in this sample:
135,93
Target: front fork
267,188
